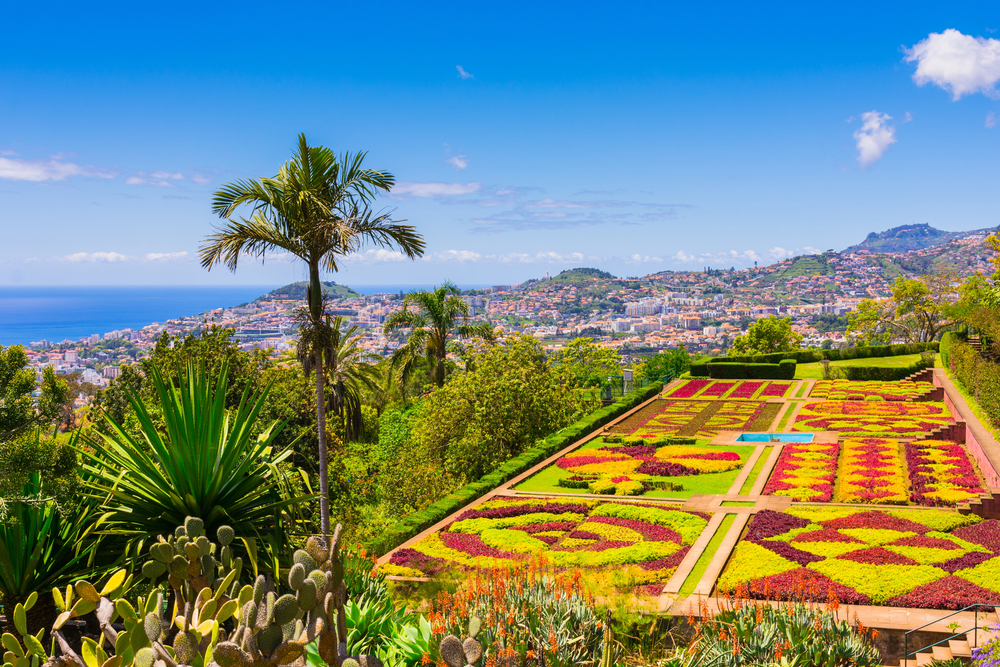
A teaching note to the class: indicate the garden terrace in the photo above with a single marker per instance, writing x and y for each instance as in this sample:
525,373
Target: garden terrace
874,418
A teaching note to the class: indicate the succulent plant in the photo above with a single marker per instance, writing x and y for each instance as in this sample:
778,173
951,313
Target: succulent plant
274,630
458,653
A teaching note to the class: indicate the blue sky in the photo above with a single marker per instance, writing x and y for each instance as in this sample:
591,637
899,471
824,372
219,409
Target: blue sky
525,137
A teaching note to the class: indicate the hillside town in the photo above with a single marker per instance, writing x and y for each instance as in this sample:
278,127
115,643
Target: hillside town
702,310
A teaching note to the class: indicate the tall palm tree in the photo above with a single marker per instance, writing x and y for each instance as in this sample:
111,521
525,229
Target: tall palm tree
435,316
349,371
317,209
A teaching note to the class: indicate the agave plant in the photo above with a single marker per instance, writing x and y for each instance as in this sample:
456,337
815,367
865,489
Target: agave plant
205,461
41,547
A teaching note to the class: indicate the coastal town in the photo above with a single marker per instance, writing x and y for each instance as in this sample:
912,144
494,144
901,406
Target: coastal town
701,310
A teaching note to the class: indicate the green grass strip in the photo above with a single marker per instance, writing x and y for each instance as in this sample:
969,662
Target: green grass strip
752,477
706,557
737,503
785,417
802,389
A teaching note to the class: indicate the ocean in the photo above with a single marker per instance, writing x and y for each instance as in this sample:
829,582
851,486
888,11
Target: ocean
55,314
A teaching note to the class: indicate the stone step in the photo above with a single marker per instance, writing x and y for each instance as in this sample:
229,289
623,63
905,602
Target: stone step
960,648
941,652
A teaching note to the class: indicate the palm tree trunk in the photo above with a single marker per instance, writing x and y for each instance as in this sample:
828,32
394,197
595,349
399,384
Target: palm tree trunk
324,483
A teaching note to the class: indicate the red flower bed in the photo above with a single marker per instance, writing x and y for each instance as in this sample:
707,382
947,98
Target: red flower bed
664,469
518,510
971,559
746,390
798,458
689,389
940,487
668,562
717,390
786,550
824,535
473,545
877,556
545,527
804,584
877,520
925,541
768,523
775,390
986,533
947,593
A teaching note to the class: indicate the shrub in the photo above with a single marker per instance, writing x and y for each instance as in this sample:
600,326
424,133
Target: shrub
755,633
979,376
783,370
423,519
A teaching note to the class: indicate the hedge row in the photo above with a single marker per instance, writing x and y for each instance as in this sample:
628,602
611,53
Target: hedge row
948,340
783,370
869,373
809,356
413,524
979,376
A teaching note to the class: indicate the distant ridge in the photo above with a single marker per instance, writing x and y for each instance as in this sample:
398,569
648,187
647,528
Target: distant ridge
298,291
909,237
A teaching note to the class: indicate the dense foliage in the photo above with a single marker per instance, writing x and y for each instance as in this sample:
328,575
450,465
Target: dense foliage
767,335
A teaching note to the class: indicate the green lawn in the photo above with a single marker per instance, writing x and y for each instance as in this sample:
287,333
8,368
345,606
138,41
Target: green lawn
687,588
546,480
761,460
815,370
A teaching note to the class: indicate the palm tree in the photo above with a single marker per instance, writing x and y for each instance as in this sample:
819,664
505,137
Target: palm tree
437,316
317,209
349,371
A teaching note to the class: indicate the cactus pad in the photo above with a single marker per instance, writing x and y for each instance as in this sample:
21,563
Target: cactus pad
318,578
296,576
307,595
152,627
204,546
225,535
336,574
285,609
228,654
179,532
475,625
452,652
350,662
268,639
178,566
304,559
185,647
473,650
259,588
152,569
318,549
194,526
144,657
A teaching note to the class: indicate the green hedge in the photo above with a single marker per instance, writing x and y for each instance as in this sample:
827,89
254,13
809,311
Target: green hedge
413,524
869,373
783,370
979,376
699,370
948,340
809,356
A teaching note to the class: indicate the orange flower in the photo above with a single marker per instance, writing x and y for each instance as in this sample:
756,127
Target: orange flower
426,659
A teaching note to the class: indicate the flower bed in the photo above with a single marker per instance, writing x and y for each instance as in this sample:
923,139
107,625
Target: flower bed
805,472
734,389
941,473
623,469
701,419
847,390
652,538
661,417
867,418
871,471
899,558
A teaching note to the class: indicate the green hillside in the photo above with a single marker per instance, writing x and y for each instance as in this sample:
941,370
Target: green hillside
803,265
298,291
908,237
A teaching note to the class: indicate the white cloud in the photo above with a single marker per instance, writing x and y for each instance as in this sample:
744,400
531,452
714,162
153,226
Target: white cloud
908,118
960,64
458,161
462,74
201,180
164,256
95,257
377,255
991,119
682,256
54,169
405,188
874,137
161,179
453,256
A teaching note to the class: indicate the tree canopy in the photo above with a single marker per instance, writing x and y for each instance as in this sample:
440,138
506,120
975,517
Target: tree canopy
767,335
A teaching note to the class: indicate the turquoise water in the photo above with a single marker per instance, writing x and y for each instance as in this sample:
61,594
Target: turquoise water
779,437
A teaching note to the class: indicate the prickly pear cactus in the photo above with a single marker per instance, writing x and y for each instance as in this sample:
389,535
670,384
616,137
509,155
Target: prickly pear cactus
457,653
275,630
32,653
